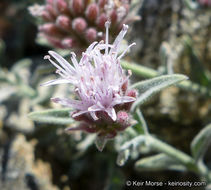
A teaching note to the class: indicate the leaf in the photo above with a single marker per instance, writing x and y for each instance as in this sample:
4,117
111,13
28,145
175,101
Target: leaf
152,86
137,141
201,142
100,142
198,73
6,92
158,162
123,157
52,116
143,128
127,147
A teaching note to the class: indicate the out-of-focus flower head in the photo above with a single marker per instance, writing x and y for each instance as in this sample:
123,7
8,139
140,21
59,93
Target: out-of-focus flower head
101,87
77,23
205,2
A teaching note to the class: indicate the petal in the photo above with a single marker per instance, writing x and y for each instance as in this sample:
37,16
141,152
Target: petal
62,61
69,103
56,65
56,81
75,62
93,114
118,39
90,48
112,114
122,100
94,108
79,113
126,50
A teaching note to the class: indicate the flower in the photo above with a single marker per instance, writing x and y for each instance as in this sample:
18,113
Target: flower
205,2
100,85
77,23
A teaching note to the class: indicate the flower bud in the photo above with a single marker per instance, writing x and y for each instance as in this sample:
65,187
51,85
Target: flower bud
51,10
91,34
54,41
92,12
50,2
67,43
102,3
113,17
77,6
122,119
79,24
63,22
132,93
101,20
205,2
62,6
124,86
46,16
49,28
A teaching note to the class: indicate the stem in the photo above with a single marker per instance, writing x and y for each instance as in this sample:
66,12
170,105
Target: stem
139,69
198,168
143,71
172,152
142,121
204,171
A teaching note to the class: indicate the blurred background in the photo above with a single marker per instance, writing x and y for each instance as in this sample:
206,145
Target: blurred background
171,35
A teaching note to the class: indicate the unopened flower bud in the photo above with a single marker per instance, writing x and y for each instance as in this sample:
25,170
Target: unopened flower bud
67,42
101,20
50,2
55,41
49,28
79,24
92,12
102,3
63,22
124,86
51,10
205,2
62,6
123,119
113,17
81,20
77,6
91,34
132,93
46,16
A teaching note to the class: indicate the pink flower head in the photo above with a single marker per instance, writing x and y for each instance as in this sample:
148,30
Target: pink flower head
100,84
205,2
81,21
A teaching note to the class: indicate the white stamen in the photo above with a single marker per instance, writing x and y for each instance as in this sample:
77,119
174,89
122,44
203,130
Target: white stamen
124,52
107,25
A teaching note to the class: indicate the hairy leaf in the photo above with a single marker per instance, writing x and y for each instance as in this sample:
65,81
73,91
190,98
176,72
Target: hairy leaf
150,87
127,147
52,116
201,142
158,162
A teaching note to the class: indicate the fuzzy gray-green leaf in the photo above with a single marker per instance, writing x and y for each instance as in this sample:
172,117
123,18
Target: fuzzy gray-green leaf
158,162
150,87
52,116
201,142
